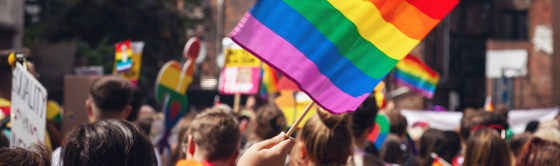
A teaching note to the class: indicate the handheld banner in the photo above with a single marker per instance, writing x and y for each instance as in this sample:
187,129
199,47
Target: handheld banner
29,105
123,56
241,73
380,131
133,74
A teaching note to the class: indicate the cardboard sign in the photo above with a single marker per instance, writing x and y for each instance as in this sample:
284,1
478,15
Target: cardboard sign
76,92
123,56
241,73
133,74
29,105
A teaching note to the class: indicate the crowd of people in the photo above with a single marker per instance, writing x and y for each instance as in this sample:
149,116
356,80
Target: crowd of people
115,135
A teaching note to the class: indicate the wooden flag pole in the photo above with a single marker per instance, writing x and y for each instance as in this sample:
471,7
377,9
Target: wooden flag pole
299,119
236,101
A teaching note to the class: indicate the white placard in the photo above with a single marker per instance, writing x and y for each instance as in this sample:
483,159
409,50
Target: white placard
543,39
28,110
512,62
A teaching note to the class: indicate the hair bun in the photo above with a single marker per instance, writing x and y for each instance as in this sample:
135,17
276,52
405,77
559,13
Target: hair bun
334,120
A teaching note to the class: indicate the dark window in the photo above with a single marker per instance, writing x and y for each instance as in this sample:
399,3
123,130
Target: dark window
514,25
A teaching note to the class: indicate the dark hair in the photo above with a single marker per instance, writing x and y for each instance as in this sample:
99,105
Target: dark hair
111,93
446,144
487,148
135,103
398,123
108,142
4,142
503,110
532,126
539,152
217,134
364,116
270,122
517,142
391,151
480,118
36,155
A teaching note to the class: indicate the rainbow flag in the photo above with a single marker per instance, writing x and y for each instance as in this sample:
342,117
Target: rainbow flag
337,51
416,75
438,161
269,82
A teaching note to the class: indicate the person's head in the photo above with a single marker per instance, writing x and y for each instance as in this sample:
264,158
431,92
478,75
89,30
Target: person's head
550,124
213,136
539,152
270,121
108,142
398,123
391,151
135,105
363,118
480,118
485,147
517,142
325,139
532,126
503,110
446,144
182,136
35,155
109,98
551,134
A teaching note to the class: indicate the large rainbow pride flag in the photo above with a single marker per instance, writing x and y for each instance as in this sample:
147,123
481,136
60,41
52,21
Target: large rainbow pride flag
337,51
416,75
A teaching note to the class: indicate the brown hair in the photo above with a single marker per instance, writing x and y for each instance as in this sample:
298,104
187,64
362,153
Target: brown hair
216,133
398,123
111,93
446,144
182,136
391,151
36,155
270,122
108,142
503,110
364,116
539,152
4,142
517,142
486,148
480,118
327,139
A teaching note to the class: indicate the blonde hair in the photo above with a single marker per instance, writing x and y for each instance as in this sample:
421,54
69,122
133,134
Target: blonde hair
551,134
327,139
485,147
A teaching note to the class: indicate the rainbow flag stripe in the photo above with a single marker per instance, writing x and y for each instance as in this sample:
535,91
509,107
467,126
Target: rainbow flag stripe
337,50
269,80
416,75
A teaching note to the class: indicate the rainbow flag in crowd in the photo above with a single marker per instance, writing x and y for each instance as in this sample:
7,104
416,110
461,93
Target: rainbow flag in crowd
438,161
416,75
337,51
269,82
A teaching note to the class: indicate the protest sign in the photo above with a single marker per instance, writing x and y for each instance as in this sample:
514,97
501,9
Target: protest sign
29,105
241,73
123,56
76,92
133,74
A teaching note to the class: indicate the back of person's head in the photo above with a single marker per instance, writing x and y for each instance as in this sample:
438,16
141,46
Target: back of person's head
111,93
398,123
551,134
480,118
35,155
391,151
539,152
532,126
216,133
270,122
4,142
485,147
135,103
324,140
517,142
108,142
446,144
503,110
364,116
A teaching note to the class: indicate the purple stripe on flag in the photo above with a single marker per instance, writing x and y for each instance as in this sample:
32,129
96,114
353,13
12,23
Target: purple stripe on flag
294,65
413,88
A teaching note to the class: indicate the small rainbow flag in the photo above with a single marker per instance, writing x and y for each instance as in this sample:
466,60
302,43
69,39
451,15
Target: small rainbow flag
269,82
414,74
337,51
438,161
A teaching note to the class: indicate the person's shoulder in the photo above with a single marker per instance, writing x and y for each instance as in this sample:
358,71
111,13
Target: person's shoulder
56,160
